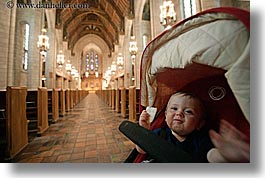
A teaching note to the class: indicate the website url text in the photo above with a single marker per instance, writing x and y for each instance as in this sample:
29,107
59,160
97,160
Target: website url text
61,5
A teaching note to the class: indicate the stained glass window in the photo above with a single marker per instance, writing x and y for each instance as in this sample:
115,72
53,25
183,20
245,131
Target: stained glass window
25,46
189,8
92,62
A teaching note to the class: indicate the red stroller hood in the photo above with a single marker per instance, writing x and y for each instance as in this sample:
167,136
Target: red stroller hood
207,54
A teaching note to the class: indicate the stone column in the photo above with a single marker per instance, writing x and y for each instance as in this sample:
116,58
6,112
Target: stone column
51,57
7,34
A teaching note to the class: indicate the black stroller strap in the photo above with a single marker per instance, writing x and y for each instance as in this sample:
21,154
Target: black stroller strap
155,146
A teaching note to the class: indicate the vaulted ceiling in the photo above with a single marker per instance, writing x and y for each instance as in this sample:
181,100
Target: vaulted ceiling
104,18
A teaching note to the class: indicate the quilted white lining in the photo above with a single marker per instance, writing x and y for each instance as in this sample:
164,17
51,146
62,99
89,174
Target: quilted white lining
223,43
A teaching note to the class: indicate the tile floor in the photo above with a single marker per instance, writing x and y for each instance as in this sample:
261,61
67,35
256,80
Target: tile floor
87,134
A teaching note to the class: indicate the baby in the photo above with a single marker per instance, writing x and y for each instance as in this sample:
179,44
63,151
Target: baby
185,118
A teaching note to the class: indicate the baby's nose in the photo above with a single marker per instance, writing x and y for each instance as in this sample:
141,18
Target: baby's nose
179,113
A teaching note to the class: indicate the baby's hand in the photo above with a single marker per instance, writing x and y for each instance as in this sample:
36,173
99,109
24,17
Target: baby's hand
144,119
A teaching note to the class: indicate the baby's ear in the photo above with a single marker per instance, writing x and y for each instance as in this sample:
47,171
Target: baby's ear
201,124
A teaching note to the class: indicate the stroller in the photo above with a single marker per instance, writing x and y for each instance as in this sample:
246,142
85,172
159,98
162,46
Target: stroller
207,54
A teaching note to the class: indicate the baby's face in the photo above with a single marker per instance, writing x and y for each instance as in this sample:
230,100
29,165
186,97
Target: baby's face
183,115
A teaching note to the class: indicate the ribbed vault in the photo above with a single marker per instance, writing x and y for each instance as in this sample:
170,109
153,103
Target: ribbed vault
103,18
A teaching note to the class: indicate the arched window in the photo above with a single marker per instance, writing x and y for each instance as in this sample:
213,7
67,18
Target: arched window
188,8
96,63
25,46
145,39
146,11
92,62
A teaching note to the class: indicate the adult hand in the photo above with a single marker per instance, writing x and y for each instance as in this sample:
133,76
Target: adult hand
231,145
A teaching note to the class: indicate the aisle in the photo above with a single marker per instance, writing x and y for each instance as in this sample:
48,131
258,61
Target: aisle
87,134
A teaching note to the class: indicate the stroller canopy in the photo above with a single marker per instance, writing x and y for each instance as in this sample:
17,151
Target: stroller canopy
208,54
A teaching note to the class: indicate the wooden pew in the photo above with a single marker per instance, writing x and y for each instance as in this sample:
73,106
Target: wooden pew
32,112
71,99
50,116
105,96
113,98
62,102
37,111
100,93
109,97
17,124
67,100
43,124
84,93
124,102
132,104
118,100
138,104
76,97
3,141
53,105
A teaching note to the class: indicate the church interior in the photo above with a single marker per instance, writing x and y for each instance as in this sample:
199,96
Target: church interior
71,72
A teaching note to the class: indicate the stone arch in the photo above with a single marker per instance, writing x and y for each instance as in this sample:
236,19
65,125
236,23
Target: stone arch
139,8
90,41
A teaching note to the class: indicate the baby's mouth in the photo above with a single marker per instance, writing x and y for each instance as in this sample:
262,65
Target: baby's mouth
180,121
